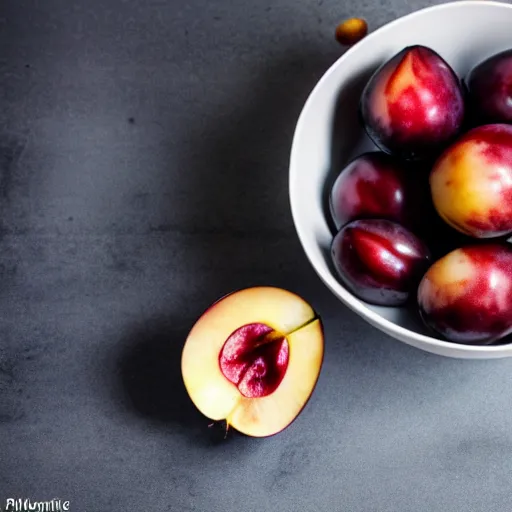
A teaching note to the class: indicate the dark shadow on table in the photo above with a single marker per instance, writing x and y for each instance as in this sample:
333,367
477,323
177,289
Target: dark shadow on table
151,384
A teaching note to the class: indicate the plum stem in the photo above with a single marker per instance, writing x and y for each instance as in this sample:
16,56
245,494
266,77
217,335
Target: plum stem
275,335
305,324
213,423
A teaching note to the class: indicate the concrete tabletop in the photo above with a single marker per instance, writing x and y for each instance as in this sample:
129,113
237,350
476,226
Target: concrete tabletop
144,150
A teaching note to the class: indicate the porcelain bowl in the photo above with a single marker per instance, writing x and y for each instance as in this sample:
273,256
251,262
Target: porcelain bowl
328,134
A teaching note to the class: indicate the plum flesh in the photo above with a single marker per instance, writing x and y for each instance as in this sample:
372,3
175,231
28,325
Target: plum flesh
413,105
255,359
380,261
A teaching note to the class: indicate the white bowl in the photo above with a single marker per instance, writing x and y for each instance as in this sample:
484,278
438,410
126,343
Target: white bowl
328,135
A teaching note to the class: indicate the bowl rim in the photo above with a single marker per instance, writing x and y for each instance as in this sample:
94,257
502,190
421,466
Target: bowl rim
350,300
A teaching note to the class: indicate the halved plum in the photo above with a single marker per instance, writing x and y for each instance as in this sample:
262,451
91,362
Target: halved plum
253,359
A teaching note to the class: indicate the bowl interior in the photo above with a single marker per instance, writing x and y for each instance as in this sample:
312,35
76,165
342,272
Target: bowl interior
329,134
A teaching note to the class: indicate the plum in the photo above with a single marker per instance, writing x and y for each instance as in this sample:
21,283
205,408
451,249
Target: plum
471,182
489,86
253,358
380,261
377,185
466,296
413,105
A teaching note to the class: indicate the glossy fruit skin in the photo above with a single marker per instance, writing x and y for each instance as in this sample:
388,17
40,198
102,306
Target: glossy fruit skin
413,105
377,185
471,183
489,87
466,296
380,261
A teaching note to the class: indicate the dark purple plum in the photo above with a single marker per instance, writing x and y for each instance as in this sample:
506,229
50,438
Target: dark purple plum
413,105
377,185
380,261
489,87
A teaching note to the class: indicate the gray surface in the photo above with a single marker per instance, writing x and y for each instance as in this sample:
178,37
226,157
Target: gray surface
144,151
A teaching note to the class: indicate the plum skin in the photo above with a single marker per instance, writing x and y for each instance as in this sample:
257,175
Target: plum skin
380,261
377,185
489,86
471,182
466,296
413,105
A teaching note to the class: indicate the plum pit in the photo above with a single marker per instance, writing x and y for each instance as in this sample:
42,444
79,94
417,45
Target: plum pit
255,358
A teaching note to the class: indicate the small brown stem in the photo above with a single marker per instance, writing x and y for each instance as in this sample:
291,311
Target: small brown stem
301,326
